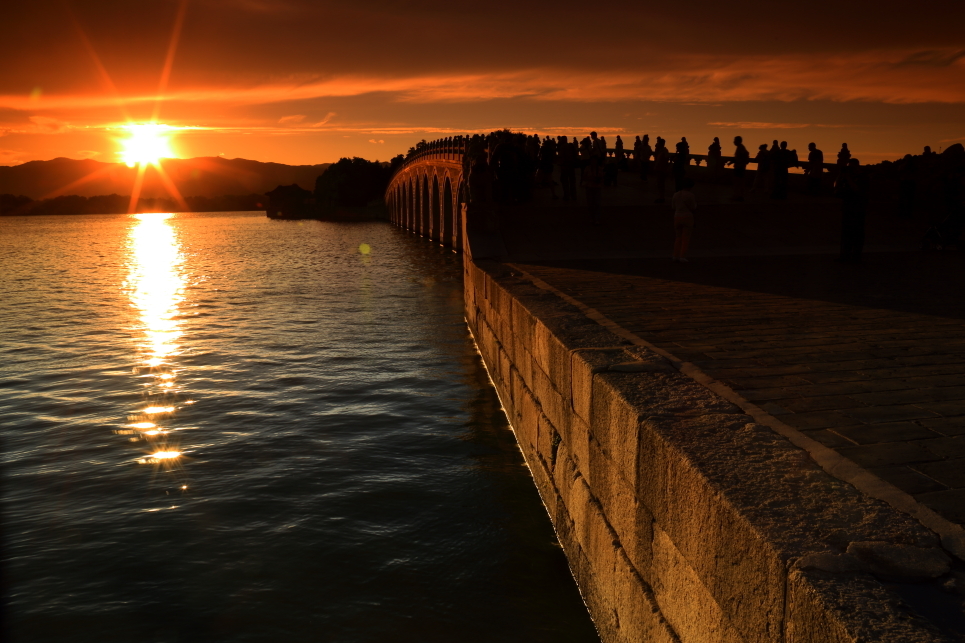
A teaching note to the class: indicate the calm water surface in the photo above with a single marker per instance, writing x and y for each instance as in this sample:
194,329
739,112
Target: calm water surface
218,427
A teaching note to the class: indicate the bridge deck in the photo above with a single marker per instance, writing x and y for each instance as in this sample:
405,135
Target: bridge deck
868,360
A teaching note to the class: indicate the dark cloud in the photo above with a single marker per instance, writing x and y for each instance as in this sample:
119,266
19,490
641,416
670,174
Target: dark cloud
238,41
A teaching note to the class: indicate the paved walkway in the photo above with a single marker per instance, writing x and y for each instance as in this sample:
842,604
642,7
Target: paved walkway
869,360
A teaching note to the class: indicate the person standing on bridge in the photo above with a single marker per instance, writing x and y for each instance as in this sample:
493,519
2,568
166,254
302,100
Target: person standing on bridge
763,170
713,159
815,168
741,158
680,163
646,152
684,206
661,168
597,146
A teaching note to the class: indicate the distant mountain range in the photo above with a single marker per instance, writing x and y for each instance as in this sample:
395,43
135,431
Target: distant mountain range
204,177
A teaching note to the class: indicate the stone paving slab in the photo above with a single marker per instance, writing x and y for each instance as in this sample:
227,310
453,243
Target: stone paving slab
868,360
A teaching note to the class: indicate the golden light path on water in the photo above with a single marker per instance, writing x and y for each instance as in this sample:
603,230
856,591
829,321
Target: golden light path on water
155,285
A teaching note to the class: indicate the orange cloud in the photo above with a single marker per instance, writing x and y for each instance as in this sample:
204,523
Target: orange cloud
882,76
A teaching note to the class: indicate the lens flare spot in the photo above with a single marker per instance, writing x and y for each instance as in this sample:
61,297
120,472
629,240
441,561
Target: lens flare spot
365,248
165,455
142,426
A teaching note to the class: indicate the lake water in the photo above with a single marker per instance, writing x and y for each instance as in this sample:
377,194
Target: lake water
218,427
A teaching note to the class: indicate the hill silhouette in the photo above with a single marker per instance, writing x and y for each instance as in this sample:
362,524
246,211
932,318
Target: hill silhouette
197,177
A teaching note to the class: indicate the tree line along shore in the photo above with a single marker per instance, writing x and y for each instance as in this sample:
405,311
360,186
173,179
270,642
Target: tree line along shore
350,183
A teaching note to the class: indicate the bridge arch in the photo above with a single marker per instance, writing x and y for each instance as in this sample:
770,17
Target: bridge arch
435,232
447,212
424,213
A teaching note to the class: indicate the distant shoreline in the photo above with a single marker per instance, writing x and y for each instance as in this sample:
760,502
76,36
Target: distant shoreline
18,205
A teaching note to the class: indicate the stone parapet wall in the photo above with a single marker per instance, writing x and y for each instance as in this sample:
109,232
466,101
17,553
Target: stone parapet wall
682,519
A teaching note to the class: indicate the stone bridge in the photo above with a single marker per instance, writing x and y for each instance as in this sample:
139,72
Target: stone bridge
691,506
426,194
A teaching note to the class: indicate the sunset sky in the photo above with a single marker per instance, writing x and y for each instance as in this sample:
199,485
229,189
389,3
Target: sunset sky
303,82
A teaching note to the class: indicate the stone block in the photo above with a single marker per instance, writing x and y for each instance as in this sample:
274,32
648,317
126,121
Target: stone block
485,341
515,394
740,570
637,613
846,608
950,473
898,561
479,279
593,533
949,503
552,402
524,324
553,358
524,363
584,365
504,366
565,473
891,432
684,600
527,424
907,479
878,455
615,424
576,436
548,441
544,483
503,330
630,519
499,300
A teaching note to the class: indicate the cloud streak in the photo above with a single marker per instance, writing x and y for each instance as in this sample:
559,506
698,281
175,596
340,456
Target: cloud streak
890,77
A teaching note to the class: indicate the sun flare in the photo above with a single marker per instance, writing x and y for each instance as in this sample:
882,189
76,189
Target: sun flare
146,143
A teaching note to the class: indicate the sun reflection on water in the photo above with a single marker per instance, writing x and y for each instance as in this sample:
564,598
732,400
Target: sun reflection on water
155,285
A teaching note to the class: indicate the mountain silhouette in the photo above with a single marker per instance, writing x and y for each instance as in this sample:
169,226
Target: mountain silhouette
204,176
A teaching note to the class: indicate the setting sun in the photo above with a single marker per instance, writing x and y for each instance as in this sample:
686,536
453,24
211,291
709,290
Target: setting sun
146,143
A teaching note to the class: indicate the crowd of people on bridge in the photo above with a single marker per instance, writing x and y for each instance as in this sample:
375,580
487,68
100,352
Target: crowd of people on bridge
505,168
519,163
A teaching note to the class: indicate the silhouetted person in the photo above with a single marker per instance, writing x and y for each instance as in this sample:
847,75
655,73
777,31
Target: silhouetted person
713,158
680,162
741,158
815,168
927,151
597,146
852,188
684,206
646,152
635,155
661,168
781,161
593,186
620,154
763,172
844,156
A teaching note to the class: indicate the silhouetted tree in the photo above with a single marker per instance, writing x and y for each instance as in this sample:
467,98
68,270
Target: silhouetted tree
350,183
